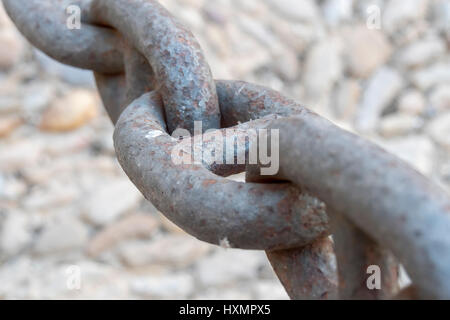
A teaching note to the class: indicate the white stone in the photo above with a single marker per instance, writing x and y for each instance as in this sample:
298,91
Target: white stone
440,97
173,250
63,234
416,150
399,124
437,73
398,13
228,265
297,10
11,48
411,102
322,69
111,200
439,130
365,50
337,11
173,286
381,90
421,52
347,98
15,233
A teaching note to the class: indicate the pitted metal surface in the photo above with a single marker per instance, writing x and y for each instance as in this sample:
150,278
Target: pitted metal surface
153,78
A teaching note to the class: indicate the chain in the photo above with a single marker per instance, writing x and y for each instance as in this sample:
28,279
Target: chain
154,81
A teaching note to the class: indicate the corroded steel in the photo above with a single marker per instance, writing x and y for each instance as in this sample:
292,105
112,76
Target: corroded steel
153,78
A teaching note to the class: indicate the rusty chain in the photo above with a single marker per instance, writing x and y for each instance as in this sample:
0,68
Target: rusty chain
153,78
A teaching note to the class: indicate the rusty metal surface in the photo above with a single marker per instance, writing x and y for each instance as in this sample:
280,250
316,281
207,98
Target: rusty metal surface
182,73
211,208
153,78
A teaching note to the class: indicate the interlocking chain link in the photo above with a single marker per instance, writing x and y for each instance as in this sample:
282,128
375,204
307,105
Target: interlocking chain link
153,78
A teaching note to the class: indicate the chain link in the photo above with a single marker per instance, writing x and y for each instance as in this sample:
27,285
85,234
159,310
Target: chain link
153,79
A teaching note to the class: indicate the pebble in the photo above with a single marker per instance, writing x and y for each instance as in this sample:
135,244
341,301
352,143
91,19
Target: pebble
174,250
64,234
11,48
8,124
110,200
399,124
431,76
15,234
216,270
70,112
347,98
173,286
365,50
132,226
417,150
337,11
399,13
296,10
411,102
420,53
439,130
440,98
322,69
381,91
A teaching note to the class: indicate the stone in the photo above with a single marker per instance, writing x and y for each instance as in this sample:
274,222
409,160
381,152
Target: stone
411,102
439,130
296,10
216,270
12,48
20,154
111,200
381,91
365,50
132,226
441,15
337,11
433,75
8,124
440,98
169,251
271,290
173,286
65,233
421,52
399,13
71,111
322,69
399,124
347,98
15,234
417,150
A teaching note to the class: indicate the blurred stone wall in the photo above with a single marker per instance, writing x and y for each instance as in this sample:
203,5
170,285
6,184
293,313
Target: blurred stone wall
73,226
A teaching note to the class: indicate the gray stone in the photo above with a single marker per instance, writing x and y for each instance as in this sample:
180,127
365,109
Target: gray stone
110,200
15,234
381,90
63,234
173,286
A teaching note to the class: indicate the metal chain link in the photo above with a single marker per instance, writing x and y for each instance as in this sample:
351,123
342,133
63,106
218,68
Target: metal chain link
153,78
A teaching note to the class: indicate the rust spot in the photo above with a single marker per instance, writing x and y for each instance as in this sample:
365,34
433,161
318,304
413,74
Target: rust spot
208,182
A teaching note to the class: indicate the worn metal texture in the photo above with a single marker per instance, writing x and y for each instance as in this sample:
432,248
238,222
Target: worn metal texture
308,272
182,73
356,253
391,202
44,24
379,207
211,208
